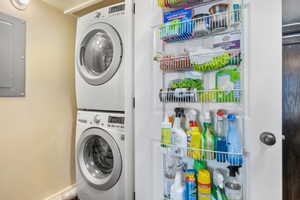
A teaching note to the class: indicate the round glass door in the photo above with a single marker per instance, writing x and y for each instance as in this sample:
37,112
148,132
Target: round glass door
100,54
99,159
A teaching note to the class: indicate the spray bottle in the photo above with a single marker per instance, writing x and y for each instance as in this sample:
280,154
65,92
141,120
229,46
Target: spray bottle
233,187
179,137
209,138
221,143
178,188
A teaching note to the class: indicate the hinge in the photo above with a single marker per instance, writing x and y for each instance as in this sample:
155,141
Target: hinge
133,8
133,102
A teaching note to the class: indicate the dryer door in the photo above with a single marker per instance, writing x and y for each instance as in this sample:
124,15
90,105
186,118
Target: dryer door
99,158
100,53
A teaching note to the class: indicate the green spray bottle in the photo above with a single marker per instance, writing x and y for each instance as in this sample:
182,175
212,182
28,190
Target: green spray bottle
209,138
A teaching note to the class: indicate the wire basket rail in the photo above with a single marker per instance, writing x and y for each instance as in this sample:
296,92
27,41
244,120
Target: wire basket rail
192,95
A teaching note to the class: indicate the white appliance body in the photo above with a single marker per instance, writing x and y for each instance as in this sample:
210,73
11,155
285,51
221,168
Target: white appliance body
100,59
100,155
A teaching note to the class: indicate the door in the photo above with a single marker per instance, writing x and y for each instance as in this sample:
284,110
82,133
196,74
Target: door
99,159
263,99
264,105
291,110
100,53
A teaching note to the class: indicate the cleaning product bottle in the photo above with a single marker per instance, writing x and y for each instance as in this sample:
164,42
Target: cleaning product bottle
235,6
204,185
221,143
209,139
179,137
169,164
218,192
234,146
196,137
166,132
177,189
233,187
190,185
199,164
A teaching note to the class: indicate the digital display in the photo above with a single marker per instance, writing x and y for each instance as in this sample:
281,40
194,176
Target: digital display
116,8
116,120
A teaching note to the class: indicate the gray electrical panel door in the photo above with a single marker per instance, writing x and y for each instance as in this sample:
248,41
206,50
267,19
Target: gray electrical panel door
12,56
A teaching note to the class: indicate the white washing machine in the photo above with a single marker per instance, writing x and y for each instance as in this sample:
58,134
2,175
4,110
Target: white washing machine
100,151
100,58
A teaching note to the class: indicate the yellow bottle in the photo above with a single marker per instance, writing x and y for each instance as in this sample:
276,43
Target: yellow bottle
204,185
194,136
196,142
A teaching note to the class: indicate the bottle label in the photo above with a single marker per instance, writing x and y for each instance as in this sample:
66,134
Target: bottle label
202,196
204,186
166,136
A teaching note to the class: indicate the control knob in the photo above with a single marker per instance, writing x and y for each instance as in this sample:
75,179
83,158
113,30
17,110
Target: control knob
97,119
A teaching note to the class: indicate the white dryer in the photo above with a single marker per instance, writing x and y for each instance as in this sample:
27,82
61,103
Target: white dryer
100,151
100,59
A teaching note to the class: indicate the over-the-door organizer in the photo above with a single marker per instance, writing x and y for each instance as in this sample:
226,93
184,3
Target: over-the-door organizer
199,51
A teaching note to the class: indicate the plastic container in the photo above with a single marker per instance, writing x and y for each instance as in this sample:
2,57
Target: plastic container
233,187
204,185
221,142
179,137
208,138
178,188
234,145
166,132
190,185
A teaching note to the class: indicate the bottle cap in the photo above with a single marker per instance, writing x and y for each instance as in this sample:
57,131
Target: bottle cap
207,116
178,112
166,119
220,113
192,114
231,116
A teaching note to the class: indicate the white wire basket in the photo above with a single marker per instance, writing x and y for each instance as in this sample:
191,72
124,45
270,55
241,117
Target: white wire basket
229,158
192,95
200,26
177,3
178,63
204,62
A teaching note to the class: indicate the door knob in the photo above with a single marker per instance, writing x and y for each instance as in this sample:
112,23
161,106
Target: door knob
267,138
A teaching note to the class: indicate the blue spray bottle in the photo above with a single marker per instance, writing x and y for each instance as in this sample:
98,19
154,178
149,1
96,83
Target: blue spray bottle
234,145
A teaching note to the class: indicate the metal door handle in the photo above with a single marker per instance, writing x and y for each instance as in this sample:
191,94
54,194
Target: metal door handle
267,138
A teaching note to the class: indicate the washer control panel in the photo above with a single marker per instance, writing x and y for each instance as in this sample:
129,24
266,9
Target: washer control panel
115,121
104,120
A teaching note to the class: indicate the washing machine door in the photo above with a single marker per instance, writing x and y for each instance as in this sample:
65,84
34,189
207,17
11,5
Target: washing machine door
99,159
100,53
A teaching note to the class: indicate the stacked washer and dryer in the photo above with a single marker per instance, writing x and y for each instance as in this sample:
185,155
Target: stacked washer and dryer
102,63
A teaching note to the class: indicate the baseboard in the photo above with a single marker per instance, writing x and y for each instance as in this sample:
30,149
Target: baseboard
66,194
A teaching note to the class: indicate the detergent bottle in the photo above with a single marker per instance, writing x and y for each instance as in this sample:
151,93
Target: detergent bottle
190,185
195,135
204,185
